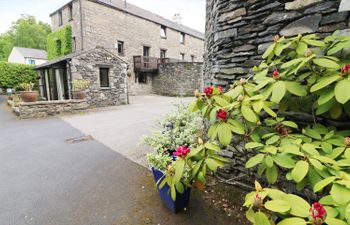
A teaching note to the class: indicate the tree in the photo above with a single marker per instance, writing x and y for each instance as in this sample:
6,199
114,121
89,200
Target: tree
25,32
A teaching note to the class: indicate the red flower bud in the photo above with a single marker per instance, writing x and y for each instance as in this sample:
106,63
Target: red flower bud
221,114
276,74
345,68
208,91
257,201
220,88
318,213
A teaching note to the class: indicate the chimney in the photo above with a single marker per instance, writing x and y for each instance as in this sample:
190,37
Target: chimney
177,18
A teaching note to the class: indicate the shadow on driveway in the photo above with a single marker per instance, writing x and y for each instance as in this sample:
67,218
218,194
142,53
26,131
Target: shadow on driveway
46,181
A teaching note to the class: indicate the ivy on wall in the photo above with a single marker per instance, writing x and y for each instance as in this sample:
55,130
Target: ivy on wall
12,75
59,43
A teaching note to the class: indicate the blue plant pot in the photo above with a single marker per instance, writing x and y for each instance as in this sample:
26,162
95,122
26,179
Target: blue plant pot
181,201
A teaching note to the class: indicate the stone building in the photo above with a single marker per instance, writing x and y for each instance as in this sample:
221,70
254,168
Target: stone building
238,32
105,71
135,34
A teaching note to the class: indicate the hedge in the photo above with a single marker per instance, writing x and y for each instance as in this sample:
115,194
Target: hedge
59,43
12,75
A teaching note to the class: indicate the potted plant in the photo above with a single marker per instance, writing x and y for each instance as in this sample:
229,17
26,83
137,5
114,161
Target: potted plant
79,88
181,160
28,94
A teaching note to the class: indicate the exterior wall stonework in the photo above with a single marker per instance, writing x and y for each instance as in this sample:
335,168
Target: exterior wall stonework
104,26
87,66
29,110
238,32
178,79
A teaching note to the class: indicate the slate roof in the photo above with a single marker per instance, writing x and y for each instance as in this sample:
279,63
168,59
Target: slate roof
145,14
32,53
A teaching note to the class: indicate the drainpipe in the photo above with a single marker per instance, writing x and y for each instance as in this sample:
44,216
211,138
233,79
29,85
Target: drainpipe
81,26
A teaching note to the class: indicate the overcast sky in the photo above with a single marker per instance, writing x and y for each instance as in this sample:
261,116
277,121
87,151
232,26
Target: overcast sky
192,11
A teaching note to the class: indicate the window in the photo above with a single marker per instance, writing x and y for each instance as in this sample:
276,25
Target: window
162,53
60,22
193,58
141,77
31,61
182,56
120,46
104,78
182,38
70,12
162,31
146,50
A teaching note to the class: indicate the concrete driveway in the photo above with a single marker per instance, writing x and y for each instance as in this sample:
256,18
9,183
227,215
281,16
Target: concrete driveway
121,128
45,180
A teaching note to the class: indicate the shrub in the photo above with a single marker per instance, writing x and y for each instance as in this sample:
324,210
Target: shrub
80,85
12,75
306,80
59,43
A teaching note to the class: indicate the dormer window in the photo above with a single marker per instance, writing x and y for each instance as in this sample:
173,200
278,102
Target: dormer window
182,38
163,32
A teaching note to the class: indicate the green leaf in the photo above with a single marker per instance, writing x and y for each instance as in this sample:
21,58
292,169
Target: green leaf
310,149
347,213
278,91
220,101
212,146
323,82
179,168
313,42
334,221
249,114
261,219
254,160
327,63
323,183
224,134
290,124
340,194
293,221
263,83
299,207
279,206
284,161
213,164
336,111
269,111
301,49
253,145
179,187
300,170
291,63
173,192
272,174
196,168
269,51
257,106
326,96
342,91
201,177
295,88
269,161
234,93
262,74
312,133
272,140
280,47
237,127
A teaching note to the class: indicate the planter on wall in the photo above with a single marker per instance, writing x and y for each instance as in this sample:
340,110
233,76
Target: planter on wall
29,96
79,94
181,201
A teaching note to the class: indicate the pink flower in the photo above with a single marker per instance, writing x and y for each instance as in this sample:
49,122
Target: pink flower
182,151
221,114
276,74
208,91
318,213
345,68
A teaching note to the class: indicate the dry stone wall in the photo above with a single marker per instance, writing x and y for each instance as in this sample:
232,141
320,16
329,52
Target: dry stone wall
239,31
178,79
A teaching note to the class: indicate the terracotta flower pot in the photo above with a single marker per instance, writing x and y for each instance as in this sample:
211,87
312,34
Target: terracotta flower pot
29,96
79,94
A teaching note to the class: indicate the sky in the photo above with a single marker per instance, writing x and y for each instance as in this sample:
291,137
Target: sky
192,11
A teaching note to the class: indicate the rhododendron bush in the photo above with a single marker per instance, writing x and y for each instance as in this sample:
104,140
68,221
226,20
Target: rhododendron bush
289,121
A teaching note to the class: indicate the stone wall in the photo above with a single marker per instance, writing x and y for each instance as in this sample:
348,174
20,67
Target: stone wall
178,79
238,32
87,66
40,109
